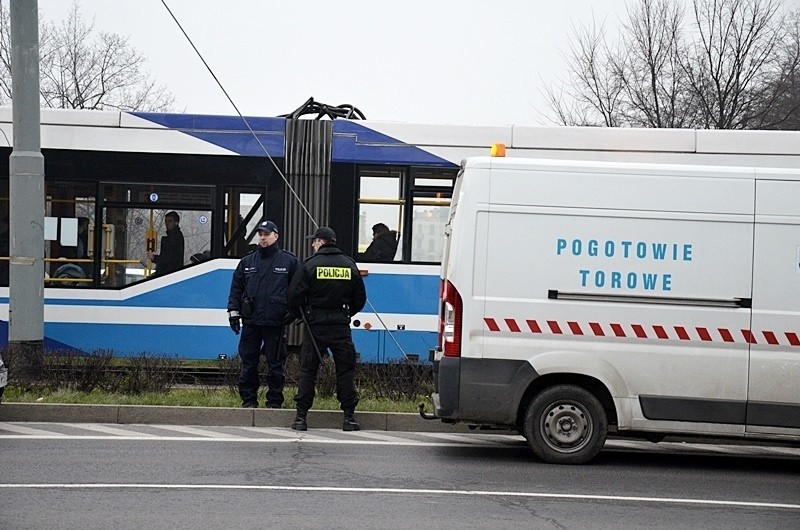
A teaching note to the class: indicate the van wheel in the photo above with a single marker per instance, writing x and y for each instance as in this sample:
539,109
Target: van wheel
566,424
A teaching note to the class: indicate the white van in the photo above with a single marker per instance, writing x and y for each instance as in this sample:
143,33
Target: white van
581,298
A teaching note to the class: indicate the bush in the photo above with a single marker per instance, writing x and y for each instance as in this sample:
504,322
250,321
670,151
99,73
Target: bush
396,380
74,371
101,370
78,371
148,373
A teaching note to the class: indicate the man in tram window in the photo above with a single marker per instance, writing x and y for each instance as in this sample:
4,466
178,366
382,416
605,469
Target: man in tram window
171,256
383,246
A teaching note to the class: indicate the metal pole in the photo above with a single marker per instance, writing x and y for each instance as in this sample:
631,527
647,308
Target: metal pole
26,194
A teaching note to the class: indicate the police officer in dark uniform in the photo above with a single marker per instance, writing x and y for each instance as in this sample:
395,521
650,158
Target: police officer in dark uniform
258,299
326,292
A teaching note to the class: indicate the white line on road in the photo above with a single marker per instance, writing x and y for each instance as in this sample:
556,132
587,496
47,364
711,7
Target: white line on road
302,438
370,435
480,439
407,491
702,448
27,431
271,431
94,427
16,431
194,431
288,433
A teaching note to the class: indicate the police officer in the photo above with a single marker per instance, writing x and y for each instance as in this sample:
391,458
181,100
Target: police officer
258,299
326,292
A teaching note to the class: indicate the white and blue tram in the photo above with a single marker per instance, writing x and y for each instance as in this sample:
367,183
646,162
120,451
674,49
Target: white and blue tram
124,171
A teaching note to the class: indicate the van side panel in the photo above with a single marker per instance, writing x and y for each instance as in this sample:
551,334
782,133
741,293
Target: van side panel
607,239
677,288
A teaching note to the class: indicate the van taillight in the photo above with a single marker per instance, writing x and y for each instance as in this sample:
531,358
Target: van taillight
450,320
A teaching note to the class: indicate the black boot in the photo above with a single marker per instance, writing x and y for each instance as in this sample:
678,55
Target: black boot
300,423
350,423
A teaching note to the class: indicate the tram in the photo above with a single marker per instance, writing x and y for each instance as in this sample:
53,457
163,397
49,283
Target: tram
111,178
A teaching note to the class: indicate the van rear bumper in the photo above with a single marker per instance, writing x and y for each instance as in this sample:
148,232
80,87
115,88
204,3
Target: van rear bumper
484,391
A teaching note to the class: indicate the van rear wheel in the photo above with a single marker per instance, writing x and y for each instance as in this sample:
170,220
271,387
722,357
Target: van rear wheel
566,424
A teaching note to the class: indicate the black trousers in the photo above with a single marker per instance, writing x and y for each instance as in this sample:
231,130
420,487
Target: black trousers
254,341
338,340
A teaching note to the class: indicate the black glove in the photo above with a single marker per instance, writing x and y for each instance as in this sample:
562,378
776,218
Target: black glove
235,321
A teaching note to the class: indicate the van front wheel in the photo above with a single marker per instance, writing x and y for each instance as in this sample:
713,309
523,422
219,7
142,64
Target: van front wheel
566,424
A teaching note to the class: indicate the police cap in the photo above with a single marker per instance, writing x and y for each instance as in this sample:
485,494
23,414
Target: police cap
325,233
268,227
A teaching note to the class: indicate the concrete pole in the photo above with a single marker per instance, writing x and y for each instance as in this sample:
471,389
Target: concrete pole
26,193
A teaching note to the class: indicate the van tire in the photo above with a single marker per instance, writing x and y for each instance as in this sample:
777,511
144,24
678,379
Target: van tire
566,424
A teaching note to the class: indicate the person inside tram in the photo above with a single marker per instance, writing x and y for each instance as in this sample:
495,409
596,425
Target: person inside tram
82,249
200,257
383,246
171,256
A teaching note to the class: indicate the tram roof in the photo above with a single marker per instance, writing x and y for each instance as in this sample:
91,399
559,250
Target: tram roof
380,142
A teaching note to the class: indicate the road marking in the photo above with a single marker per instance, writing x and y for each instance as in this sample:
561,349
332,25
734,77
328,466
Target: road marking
240,439
273,435
27,431
271,431
702,448
110,430
379,437
23,430
407,491
292,435
476,438
195,431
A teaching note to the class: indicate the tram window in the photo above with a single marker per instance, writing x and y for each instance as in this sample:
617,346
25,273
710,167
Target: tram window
381,200
431,193
243,213
129,233
133,224
69,225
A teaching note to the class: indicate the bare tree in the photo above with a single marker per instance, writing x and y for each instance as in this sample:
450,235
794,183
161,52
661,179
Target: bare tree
83,69
733,55
649,66
5,54
779,107
726,68
592,94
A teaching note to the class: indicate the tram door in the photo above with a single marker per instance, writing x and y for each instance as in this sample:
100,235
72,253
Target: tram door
153,229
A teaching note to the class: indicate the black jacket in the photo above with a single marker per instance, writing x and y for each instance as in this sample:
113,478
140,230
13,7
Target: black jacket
263,276
382,248
328,287
170,257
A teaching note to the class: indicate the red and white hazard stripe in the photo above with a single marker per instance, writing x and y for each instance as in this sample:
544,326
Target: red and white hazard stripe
642,331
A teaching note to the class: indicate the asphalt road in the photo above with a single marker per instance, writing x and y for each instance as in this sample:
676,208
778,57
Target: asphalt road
158,476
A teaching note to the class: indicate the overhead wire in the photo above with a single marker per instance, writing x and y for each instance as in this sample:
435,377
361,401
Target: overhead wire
247,124
266,152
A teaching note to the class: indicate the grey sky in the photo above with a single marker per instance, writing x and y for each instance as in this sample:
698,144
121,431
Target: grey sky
449,61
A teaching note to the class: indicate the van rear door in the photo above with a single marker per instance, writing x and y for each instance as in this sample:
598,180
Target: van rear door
774,388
